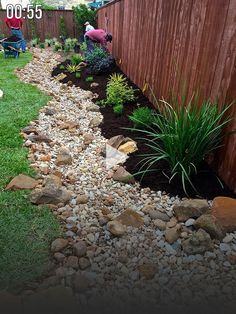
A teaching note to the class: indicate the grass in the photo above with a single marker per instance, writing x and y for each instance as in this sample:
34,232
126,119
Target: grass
25,230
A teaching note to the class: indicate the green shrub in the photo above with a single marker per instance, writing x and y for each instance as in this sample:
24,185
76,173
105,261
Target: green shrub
89,79
118,91
48,42
76,58
142,116
83,46
118,109
34,42
42,45
72,68
77,74
182,135
62,67
57,46
103,66
96,55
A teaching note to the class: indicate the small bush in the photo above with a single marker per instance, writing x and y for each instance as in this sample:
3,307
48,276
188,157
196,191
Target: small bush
42,45
72,68
76,59
118,91
118,109
182,135
103,66
142,116
78,75
89,79
96,55
62,67
57,46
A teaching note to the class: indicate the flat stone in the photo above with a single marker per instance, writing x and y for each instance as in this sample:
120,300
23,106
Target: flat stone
88,138
198,243
224,247
121,175
210,224
69,125
190,222
115,141
39,138
64,157
156,214
82,199
224,209
58,245
50,195
192,208
22,182
116,228
130,218
172,234
160,224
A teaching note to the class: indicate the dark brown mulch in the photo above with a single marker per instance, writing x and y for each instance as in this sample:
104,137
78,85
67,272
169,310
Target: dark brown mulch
206,182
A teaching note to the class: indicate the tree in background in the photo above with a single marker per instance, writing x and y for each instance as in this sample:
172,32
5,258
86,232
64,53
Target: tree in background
83,14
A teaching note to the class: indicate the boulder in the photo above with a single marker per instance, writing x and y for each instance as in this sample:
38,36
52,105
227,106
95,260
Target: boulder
64,157
130,218
121,175
198,243
22,182
224,210
210,224
116,228
50,195
192,208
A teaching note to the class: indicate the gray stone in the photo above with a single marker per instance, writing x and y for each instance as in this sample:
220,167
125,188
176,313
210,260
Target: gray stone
80,248
192,208
198,243
210,225
50,195
156,214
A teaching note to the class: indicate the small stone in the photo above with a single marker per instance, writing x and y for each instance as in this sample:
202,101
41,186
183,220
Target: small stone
172,234
192,208
95,122
224,247
115,141
172,223
84,263
190,222
58,245
156,214
72,261
50,195
22,182
59,257
88,139
80,248
148,270
91,237
82,199
229,238
209,223
94,84
134,275
116,228
160,224
130,218
199,242
128,148
121,175
224,209
80,283
63,157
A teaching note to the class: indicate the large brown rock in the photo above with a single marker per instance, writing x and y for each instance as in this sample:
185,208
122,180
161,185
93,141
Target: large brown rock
50,195
210,224
22,182
121,175
198,243
172,234
58,245
224,209
192,208
63,157
130,218
115,141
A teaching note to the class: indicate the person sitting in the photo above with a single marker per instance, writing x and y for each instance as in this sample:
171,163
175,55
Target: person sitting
15,25
97,36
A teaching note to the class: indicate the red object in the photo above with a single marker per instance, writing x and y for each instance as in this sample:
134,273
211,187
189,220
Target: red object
98,35
14,22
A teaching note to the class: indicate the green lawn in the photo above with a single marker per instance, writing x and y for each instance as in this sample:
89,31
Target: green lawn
25,230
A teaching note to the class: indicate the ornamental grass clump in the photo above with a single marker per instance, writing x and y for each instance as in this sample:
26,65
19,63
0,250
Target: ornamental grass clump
183,135
76,59
142,117
118,91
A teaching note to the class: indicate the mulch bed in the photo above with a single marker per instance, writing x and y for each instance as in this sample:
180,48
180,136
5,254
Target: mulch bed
205,181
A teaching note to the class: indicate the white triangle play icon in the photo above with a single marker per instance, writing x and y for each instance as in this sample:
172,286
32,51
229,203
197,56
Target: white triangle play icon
114,157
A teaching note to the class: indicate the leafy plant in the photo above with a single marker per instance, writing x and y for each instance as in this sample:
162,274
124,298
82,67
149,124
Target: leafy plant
48,42
118,109
70,44
142,116
76,58
83,46
96,55
89,79
72,68
62,67
62,27
78,75
103,66
34,42
83,14
183,134
57,46
118,91
42,45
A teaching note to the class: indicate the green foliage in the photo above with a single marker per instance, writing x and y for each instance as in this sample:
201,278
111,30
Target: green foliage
182,135
48,42
34,41
89,79
42,45
118,109
118,91
72,68
78,75
62,67
103,66
142,116
70,44
76,58
96,55
43,4
83,14
57,46
83,46
62,27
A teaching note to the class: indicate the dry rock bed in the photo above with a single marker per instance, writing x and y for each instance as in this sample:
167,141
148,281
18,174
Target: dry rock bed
120,240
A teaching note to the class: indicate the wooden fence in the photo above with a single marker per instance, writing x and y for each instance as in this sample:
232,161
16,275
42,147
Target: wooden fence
165,42
47,26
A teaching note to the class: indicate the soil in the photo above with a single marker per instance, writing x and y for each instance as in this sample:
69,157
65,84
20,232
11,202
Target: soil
206,182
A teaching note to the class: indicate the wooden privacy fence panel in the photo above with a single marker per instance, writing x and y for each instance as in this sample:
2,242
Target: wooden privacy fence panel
47,26
166,42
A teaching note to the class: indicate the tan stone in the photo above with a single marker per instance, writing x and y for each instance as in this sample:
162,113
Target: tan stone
224,209
121,175
88,138
210,224
130,218
58,245
192,208
115,141
172,234
116,228
69,125
22,182
63,157
128,148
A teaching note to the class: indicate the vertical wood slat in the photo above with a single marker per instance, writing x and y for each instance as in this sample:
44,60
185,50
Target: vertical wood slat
48,25
165,42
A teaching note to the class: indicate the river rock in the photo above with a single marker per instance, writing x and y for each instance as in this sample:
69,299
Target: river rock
192,208
121,175
22,182
58,245
64,157
148,270
116,228
115,141
95,122
157,214
80,248
130,218
160,224
50,195
82,199
198,243
210,224
172,234
224,209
